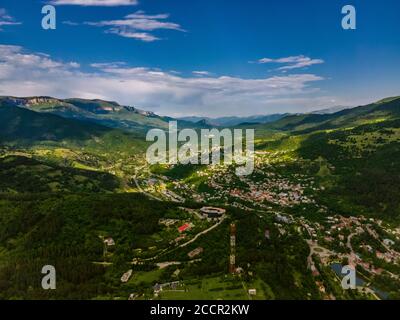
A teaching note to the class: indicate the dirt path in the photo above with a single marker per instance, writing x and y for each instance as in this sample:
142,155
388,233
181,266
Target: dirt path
202,233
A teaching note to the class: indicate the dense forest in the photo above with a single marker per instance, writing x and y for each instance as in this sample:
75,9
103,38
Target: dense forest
365,167
64,231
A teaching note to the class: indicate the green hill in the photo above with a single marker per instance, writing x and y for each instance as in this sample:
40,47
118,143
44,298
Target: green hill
23,126
385,109
366,166
106,113
25,175
20,127
73,145
361,146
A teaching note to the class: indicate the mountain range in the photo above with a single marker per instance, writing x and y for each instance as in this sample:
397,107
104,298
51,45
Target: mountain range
131,118
107,113
234,121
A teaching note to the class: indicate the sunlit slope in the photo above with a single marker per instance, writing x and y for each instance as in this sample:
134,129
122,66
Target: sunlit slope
379,111
106,113
22,127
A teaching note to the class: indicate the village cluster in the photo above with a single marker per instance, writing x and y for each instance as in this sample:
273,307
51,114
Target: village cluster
272,190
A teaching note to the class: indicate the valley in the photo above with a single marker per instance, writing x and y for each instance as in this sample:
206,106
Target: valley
78,193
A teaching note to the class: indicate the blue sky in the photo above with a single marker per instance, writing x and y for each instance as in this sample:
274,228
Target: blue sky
209,57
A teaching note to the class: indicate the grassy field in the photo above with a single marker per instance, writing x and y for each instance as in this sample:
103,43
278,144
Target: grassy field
215,288
147,278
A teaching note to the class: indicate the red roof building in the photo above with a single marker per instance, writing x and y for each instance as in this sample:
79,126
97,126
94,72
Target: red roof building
183,228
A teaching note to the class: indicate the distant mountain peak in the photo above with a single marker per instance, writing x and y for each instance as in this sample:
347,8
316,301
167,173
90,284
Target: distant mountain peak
106,113
233,120
30,101
330,110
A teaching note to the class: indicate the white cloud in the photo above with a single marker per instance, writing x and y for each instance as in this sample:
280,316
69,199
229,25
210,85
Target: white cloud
98,3
25,74
74,65
293,62
201,73
70,23
6,19
143,36
108,64
137,25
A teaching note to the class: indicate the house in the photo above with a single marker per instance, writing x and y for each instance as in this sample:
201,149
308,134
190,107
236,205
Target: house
252,292
284,219
388,242
380,255
184,228
109,242
157,288
195,252
180,238
126,276
167,222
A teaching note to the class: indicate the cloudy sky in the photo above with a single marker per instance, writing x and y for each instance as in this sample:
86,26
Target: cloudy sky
209,57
